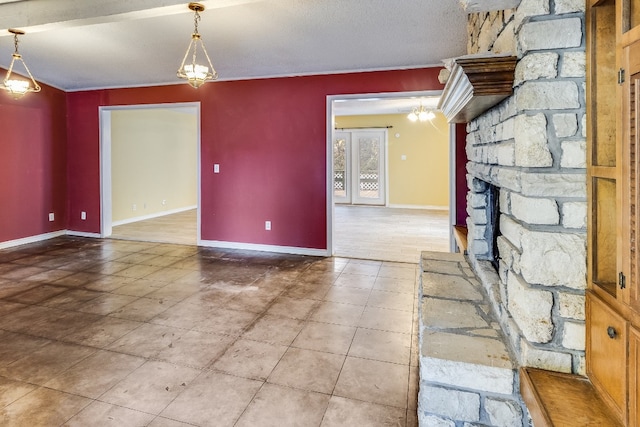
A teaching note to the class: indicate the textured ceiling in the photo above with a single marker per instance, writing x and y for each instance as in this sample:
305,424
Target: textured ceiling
115,43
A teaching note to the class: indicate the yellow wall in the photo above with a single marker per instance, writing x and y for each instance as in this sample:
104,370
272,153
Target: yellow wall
153,158
422,180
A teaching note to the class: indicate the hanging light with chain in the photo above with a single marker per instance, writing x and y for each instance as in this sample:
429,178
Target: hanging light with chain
195,73
13,83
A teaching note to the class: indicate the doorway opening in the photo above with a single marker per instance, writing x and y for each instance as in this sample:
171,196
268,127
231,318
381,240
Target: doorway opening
150,172
413,203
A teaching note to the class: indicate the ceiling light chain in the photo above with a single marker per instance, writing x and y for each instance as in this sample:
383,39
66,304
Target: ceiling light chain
196,19
18,87
196,74
15,43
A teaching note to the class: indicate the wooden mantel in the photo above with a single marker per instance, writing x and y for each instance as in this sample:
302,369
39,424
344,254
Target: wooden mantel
476,84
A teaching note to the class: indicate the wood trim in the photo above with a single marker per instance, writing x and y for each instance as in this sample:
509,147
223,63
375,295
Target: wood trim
532,400
607,172
634,377
460,234
475,85
559,399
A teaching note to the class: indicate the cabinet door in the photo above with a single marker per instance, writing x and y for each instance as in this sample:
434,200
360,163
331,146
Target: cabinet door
607,353
634,377
602,152
631,215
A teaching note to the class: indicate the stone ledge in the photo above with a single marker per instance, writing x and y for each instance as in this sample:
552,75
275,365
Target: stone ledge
467,374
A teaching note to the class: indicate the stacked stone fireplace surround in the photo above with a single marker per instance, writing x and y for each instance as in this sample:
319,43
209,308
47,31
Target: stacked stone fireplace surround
531,150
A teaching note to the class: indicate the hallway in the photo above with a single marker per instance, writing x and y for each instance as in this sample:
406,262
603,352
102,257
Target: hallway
114,332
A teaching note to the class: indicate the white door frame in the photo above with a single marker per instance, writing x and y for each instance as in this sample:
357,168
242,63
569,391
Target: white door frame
106,203
331,121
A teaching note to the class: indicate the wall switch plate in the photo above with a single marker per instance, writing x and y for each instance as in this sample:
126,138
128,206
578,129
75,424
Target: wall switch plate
52,216
216,168
403,157
267,225
83,215
134,207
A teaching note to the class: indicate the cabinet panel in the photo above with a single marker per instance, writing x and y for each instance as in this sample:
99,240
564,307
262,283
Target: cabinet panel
632,171
606,353
603,82
631,14
603,235
634,377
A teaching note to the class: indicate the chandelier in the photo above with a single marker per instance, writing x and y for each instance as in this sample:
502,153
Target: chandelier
420,113
196,74
17,85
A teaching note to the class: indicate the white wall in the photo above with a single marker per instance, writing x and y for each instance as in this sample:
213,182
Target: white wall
153,162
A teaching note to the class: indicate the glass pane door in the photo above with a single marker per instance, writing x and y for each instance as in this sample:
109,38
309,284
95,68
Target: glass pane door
368,165
342,167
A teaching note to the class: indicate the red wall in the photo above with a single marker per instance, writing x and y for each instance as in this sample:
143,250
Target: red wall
269,137
32,163
461,174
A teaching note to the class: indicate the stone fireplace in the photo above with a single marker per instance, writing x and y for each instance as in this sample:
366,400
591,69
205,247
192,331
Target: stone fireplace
528,153
526,224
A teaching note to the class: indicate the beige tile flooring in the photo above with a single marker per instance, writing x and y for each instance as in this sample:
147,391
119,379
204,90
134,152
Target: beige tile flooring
113,332
366,232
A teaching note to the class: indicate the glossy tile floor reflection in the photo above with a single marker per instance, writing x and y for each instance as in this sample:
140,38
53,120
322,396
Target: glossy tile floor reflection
119,333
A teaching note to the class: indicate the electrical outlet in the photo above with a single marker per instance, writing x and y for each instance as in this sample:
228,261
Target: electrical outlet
164,202
267,225
216,168
52,216
83,215
134,207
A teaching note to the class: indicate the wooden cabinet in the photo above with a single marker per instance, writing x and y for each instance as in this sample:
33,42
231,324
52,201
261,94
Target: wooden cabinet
602,151
613,174
607,341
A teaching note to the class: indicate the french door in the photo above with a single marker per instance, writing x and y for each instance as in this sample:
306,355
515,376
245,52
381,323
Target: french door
359,167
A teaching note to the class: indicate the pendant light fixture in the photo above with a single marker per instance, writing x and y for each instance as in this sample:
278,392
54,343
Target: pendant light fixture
196,74
421,114
17,85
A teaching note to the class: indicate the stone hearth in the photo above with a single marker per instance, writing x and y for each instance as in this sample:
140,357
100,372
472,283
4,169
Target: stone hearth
467,374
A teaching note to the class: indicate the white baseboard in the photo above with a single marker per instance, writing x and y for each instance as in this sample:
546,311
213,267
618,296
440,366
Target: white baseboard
293,250
264,248
151,216
32,239
83,234
423,207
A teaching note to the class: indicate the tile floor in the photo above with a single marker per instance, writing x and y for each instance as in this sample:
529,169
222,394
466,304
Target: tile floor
120,333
